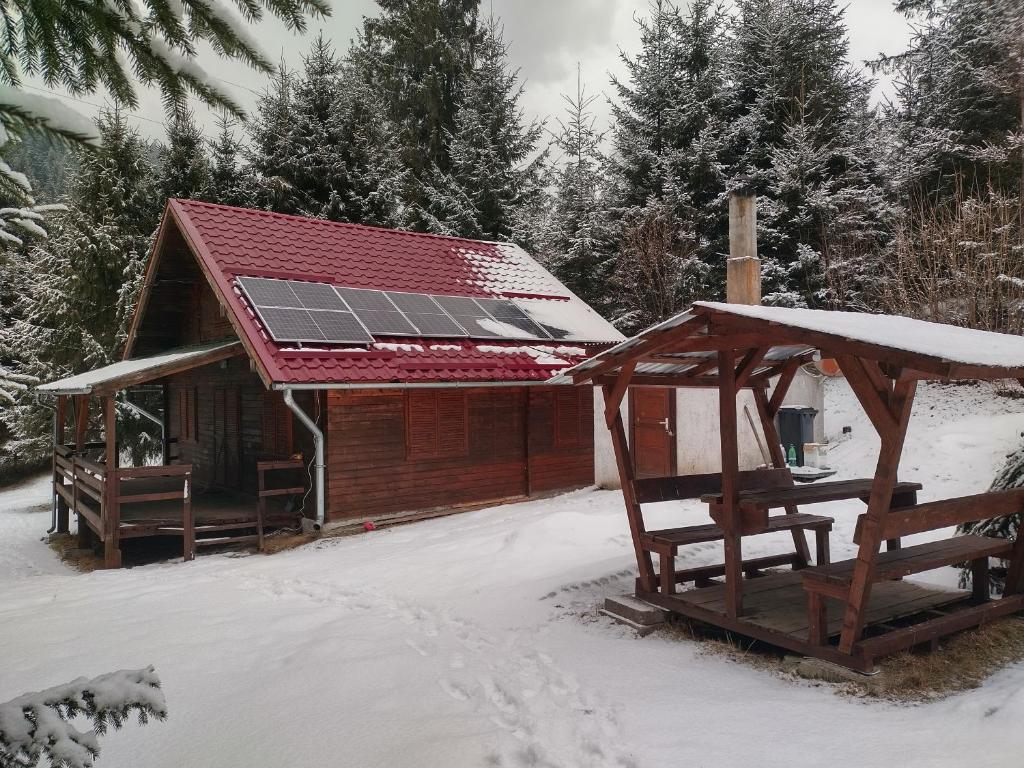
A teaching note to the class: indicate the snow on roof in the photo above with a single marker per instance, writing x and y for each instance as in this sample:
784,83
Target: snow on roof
84,383
965,346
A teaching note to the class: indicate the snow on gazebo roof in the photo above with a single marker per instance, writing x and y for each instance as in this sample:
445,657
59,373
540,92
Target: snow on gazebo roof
678,347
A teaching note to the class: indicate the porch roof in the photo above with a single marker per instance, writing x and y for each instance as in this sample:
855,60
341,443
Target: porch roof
139,370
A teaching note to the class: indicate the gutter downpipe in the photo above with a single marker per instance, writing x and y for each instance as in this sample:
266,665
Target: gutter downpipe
318,442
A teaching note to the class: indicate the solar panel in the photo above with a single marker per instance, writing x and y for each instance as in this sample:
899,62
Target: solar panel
298,311
378,313
286,324
318,296
340,327
263,292
469,315
505,311
427,315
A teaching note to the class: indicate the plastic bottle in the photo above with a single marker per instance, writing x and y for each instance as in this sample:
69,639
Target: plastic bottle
791,456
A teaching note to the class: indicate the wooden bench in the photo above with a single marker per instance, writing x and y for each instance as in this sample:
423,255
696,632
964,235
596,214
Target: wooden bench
665,543
834,580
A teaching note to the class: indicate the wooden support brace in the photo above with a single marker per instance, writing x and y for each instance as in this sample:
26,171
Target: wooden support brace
111,510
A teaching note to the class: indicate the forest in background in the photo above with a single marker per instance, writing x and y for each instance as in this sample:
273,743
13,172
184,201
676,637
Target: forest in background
913,206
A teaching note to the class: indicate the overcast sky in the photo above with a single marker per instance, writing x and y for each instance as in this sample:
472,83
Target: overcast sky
546,37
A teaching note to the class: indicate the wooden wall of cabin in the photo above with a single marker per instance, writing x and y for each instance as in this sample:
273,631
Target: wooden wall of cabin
391,451
225,420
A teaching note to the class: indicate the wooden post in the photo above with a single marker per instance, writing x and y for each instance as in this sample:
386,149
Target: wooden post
81,417
188,522
633,511
743,268
898,408
111,511
730,483
60,416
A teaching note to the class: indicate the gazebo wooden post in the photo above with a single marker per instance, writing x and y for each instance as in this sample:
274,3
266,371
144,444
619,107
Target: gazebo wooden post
60,417
732,542
613,396
897,404
111,516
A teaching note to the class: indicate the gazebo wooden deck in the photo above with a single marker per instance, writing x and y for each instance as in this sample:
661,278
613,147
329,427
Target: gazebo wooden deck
848,612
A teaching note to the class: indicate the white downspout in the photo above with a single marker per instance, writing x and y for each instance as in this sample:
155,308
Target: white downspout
318,442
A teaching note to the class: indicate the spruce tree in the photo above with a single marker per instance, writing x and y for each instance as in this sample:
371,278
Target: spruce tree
576,240
184,165
228,182
800,136
495,178
84,279
420,53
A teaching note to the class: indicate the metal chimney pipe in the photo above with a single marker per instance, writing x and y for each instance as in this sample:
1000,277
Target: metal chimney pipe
743,268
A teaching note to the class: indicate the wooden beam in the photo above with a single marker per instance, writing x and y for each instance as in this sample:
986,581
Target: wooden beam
875,403
730,483
617,392
782,386
634,514
878,507
748,365
649,345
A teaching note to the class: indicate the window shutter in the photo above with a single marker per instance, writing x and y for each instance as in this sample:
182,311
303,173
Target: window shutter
421,424
277,425
436,424
567,417
452,424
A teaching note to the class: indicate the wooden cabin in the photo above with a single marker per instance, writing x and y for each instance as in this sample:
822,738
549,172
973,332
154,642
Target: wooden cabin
327,373
849,611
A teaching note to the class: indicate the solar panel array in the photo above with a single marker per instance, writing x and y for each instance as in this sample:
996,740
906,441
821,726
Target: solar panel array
307,312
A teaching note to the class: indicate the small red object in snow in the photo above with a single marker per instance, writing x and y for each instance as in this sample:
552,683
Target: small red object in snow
369,526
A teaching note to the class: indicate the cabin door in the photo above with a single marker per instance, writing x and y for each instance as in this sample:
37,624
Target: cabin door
653,431
227,459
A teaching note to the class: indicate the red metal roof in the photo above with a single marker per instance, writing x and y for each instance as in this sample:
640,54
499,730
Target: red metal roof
232,242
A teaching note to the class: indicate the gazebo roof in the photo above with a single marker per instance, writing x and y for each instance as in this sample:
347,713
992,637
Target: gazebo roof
681,351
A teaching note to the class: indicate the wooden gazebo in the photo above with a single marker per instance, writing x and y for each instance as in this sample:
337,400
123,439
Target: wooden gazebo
848,612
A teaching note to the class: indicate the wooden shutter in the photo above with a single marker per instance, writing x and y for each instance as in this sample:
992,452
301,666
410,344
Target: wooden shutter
188,418
567,417
436,424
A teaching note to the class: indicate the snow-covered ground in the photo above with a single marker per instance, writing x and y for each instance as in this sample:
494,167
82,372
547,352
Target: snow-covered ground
470,640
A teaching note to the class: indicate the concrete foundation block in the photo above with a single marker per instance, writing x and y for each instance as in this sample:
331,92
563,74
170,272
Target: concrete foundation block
628,610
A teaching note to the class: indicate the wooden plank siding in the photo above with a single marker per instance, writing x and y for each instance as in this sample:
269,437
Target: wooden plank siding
393,451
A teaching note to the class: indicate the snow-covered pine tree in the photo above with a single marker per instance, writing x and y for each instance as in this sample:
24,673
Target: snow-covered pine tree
228,183
184,164
323,146
576,242
667,167
41,724
958,116
123,45
84,279
419,54
496,175
800,137
273,145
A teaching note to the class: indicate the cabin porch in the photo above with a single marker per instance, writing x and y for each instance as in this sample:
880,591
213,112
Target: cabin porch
204,495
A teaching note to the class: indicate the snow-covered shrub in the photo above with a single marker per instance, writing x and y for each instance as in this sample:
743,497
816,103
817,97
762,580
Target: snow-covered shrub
1010,476
37,725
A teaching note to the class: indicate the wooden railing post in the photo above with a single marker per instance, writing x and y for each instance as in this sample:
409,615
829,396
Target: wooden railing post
59,416
188,521
110,509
